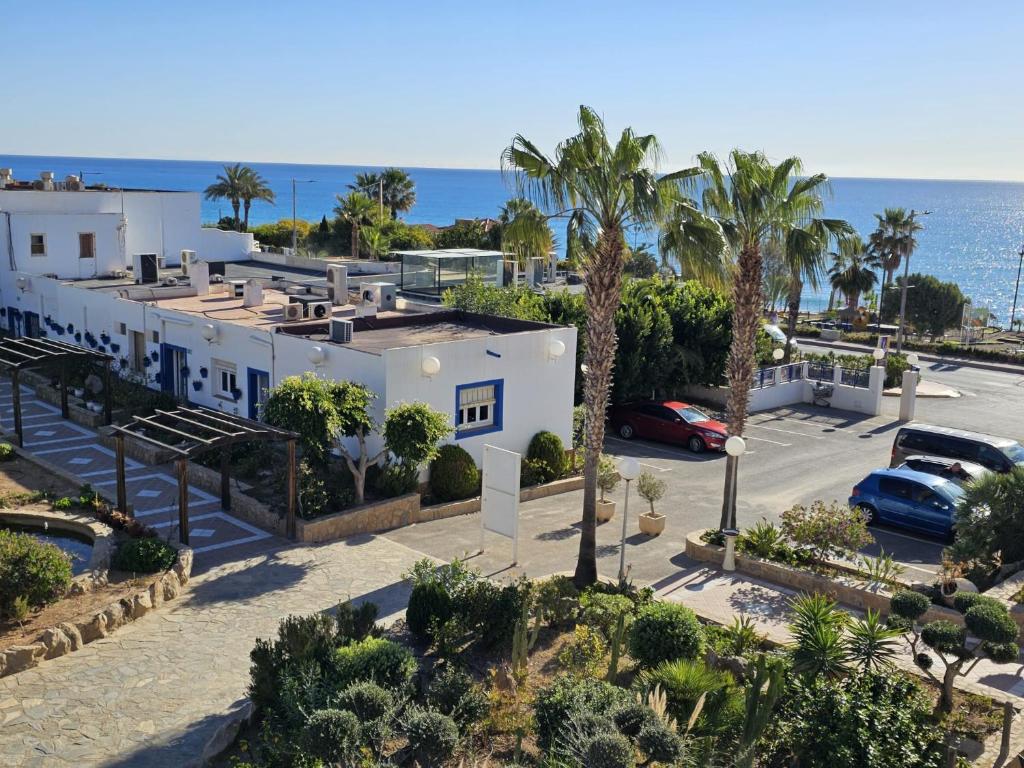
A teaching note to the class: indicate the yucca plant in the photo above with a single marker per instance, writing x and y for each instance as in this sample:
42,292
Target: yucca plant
872,644
818,644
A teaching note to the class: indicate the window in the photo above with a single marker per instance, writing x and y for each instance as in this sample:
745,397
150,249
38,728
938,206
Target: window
890,486
87,245
37,245
156,337
122,329
225,379
478,407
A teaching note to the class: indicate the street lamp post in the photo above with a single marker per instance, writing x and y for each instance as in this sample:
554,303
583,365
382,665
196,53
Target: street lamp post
1013,312
734,448
295,233
903,288
629,470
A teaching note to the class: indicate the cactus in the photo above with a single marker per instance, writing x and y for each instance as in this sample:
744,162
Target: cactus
617,637
763,693
523,640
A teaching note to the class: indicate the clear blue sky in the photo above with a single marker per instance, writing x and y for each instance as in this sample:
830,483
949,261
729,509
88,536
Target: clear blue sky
898,88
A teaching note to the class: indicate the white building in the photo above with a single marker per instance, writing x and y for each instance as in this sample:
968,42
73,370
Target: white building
70,269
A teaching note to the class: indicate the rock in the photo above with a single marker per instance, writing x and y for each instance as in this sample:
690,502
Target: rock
171,586
93,629
56,642
73,635
735,664
141,605
156,594
3,663
99,579
76,588
183,567
114,614
22,657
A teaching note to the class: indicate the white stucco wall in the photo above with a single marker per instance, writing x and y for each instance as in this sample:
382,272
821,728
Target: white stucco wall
61,233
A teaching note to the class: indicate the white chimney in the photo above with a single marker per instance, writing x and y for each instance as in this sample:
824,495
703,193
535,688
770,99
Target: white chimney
199,277
252,293
47,177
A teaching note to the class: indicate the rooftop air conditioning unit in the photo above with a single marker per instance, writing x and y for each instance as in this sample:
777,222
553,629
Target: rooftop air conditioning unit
238,288
161,262
188,258
46,177
73,184
337,283
169,281
292,312
252,293
380,294
296,290
341,331
144,268
216,278
318,310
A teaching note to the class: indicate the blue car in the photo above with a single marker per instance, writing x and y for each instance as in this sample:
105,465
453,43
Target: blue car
908,499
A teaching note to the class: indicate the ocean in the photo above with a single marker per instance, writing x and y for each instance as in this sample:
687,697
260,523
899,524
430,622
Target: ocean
972,235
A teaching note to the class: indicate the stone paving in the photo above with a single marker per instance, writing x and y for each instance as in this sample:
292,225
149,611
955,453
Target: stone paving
157,690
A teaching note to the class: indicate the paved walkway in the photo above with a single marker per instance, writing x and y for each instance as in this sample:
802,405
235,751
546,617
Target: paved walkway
153,693
214,534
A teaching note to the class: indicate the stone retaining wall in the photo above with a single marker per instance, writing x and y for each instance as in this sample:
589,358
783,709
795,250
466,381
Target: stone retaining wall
78,414
70,636
243,506
369,518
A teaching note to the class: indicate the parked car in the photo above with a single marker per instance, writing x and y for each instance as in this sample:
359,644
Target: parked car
669,421
779,336
999,454
908,499
952,469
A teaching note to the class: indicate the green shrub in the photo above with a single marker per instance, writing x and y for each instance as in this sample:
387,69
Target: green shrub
429,604
491,611
332,735
660,743
663,631
367,700
384,662
556,600
547,450
610,750
684,681
633,717
7,452
532,472
908,604
453,474
305,642
584,651
964,601
64,502
355,623
453,692
602,610
144,556
992,623
394,480
568,695
32,573
432,736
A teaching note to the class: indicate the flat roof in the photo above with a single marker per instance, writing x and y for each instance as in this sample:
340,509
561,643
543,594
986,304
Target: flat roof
451,253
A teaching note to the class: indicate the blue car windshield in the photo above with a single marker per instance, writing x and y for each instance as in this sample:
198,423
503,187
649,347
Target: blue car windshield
1016,453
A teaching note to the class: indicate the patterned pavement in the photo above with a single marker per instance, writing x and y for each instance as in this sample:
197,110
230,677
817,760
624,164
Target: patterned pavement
215,535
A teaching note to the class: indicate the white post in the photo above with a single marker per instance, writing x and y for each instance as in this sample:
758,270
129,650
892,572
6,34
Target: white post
729,562
908,397
622,547
876,384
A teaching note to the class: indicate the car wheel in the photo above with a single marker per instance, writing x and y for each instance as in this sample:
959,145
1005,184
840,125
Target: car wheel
868,513
695,444
626,432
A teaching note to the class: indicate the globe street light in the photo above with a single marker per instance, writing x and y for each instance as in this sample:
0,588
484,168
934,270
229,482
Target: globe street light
735,446
629,470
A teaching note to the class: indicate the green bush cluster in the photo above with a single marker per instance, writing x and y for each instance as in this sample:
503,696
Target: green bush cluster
383,661
453,474
663,631
548,454
7,452
567,695
430,605
32,573
144,556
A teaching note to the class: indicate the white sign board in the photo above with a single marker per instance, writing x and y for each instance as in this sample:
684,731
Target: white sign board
499,503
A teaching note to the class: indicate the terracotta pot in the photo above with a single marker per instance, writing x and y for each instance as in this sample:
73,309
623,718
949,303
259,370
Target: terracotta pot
652,524
605,511
952,589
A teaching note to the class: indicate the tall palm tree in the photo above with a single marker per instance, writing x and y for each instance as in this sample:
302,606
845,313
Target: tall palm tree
393,188
523,231
603,189
229,186
754,202
356,209
893,240
253,187
853,274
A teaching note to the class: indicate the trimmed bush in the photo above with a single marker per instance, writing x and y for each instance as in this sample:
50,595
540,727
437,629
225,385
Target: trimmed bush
453,692
367,700
384,662
355,623
492,611
991,623
664,631
432,736
453,474
909,605
548,454
602,610
964,601
610,750
944,636
633,717
556,600
660,743
568,695
332,735
144,556
429,605
32,573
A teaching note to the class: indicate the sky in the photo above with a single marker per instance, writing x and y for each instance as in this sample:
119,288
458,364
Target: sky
901,88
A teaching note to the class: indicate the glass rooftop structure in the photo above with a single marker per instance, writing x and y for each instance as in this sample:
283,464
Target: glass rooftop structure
432,272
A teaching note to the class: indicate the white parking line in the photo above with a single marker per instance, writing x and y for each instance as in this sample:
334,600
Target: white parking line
766,440
648,447
786,431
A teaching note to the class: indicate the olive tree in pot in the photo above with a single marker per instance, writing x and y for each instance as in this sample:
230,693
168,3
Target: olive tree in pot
607,480
651,489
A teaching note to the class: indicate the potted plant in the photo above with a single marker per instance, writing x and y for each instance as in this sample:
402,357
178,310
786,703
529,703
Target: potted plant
651,489
197,385
951,581
607,479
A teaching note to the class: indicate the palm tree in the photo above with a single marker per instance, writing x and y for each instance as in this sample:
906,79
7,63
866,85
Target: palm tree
523,231
603,189
229,186
754,202
854,273
253,187
393,188
356,209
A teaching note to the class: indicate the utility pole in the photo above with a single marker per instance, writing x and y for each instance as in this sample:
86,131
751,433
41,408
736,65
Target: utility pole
295,232
1013,312
380,196
903,290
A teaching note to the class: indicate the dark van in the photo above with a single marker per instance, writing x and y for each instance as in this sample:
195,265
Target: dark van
999,454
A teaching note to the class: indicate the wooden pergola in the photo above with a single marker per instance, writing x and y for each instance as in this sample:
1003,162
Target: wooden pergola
191,431
19,354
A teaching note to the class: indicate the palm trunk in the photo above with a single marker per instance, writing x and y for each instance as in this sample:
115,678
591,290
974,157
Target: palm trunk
746,322
796,287
355,240
603,281
245,223
234,210
831,299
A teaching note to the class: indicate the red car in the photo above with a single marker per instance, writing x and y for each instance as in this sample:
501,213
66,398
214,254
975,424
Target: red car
670,422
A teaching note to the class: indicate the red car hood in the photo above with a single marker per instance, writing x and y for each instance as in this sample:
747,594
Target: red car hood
712,426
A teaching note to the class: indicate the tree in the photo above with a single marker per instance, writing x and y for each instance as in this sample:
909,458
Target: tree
229,186
522,231
932,305
644,356
355,209
280,232
893,240
463,234
853,273
253,187
602,190
305,404
641,263
413,432
393,186
990,519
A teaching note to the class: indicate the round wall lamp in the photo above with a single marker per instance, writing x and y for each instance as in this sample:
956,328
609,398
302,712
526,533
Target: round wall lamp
778,354
878,353
209,332
430,366
316,355
556,348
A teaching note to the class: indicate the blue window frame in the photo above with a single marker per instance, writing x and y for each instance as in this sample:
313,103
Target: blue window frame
479,408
